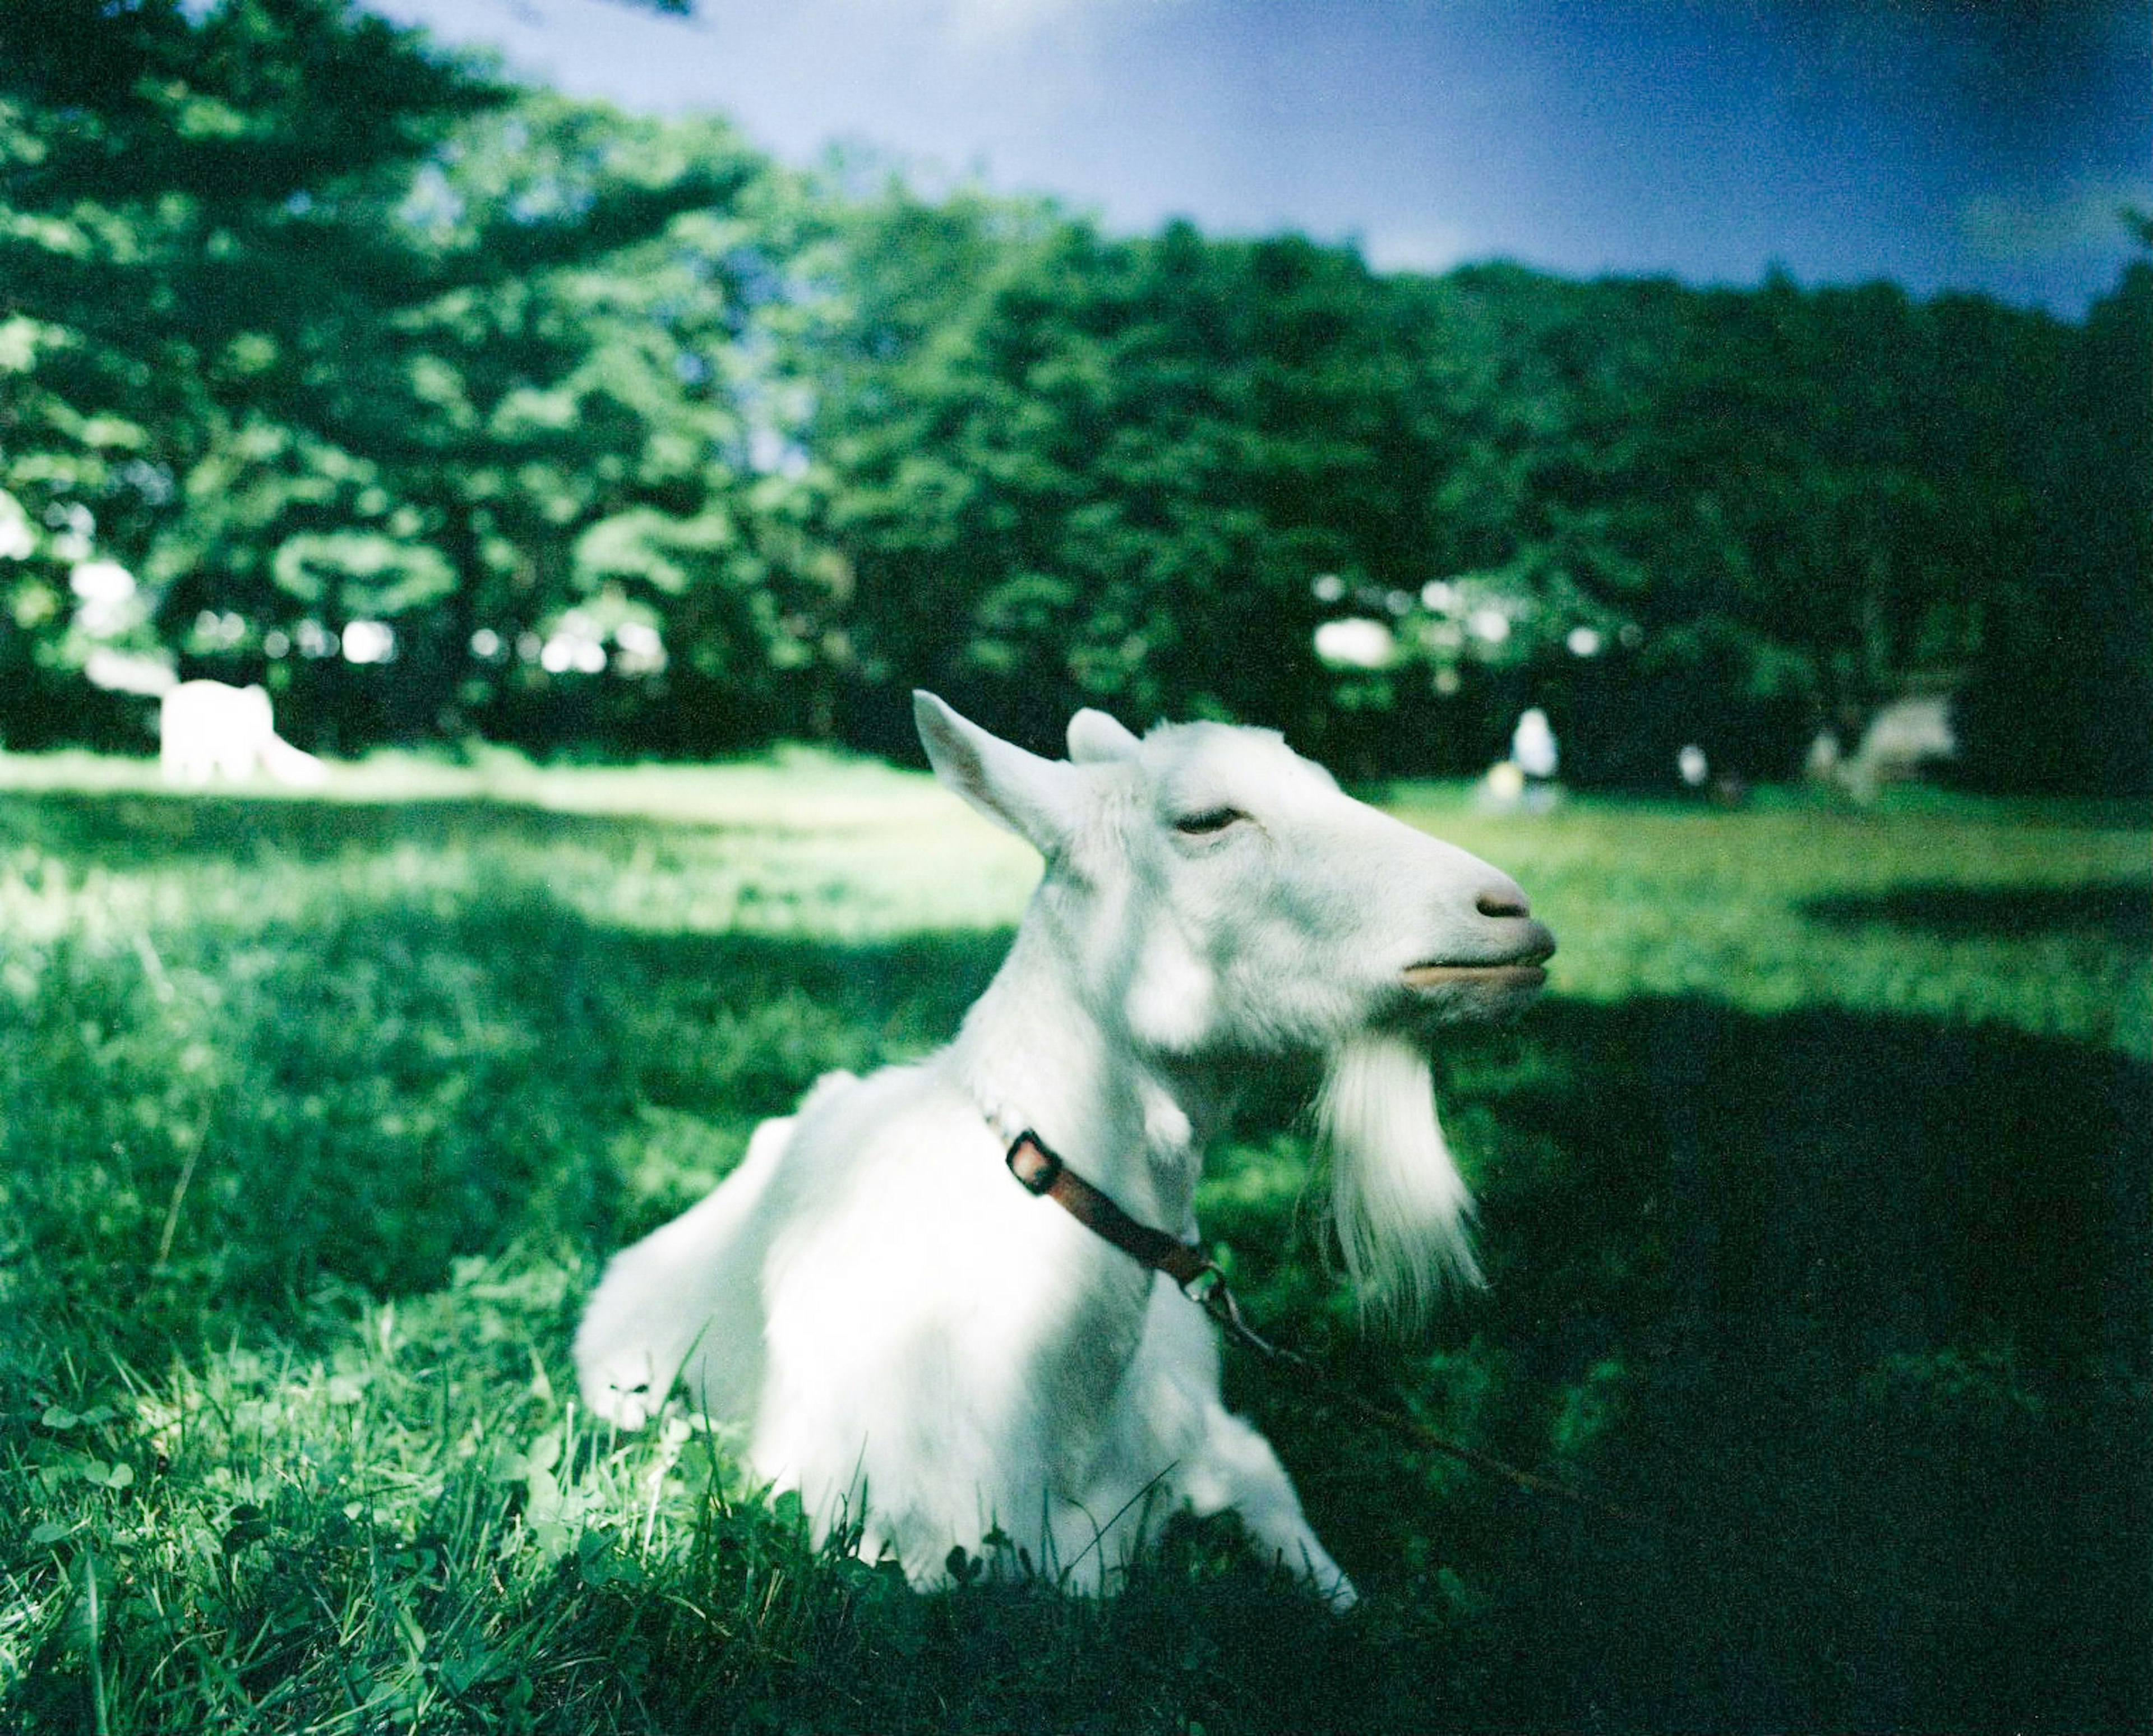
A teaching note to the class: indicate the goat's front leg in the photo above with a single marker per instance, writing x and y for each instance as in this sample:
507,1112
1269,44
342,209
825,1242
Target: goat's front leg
1220,1460
1235,1467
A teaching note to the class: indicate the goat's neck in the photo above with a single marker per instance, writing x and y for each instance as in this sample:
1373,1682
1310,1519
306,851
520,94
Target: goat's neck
1034,1054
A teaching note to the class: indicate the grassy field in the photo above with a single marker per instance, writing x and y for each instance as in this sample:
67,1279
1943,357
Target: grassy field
1815,1202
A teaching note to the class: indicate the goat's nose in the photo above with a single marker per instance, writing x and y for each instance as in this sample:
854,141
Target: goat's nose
1504,901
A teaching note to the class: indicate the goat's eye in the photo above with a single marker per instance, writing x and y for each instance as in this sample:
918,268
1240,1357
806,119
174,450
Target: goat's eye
1211,820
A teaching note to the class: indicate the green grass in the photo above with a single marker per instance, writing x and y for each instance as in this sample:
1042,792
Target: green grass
1815,1199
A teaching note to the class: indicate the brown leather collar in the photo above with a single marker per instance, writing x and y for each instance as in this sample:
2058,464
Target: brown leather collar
1040,1170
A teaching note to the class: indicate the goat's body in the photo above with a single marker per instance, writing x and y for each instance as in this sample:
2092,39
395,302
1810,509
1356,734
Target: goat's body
908,1338
902,1332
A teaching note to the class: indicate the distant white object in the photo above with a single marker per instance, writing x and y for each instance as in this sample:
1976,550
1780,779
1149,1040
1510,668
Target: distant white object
1356,642
208,729
369,641
1903,740
573,650
1533,745
106,598
1693,767
1507,789
18,538
641,648
148,672
1506,782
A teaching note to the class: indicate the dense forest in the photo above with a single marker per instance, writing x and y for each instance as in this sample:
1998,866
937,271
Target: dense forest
453,411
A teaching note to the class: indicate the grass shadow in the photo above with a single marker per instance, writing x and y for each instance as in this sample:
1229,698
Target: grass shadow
1857,1306
2122,909
148,828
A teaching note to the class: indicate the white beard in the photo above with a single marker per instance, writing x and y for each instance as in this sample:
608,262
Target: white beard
1401,1208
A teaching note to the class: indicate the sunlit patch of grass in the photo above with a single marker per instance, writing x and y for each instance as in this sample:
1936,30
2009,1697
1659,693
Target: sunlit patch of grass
412,1531
1814,1198
801,843
1802,899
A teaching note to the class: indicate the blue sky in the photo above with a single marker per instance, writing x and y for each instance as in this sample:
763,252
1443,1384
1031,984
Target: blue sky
1946,144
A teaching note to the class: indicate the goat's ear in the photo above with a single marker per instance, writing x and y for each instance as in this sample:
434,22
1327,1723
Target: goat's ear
1094,736
1035,798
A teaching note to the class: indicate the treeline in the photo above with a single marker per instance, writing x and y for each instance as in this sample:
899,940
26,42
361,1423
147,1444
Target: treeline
450,411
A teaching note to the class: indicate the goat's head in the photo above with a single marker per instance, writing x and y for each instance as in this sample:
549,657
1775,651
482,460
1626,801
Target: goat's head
1217,896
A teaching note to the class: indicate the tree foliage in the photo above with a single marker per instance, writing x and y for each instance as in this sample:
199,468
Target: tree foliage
448,409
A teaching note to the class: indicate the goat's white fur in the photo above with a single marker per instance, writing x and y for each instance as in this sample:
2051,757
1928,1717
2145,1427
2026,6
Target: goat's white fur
1398,1203
915,1342
210,729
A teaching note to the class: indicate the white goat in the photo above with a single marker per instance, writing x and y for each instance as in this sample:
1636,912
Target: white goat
209,728
915,1341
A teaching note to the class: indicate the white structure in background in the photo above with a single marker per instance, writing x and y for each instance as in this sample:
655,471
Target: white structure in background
1356,642
1692,765
369,641
1504,786
1903,740
106,602
1908,739
18,538
1490,624
641,648
208,729
1533,744
576,644
148,672
204,729
1526,779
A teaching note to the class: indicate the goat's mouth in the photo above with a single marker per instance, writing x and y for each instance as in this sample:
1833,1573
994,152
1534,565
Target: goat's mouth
1491,976
1525,970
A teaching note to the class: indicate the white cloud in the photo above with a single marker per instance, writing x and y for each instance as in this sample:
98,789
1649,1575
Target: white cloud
997,23
1432,246
2029,224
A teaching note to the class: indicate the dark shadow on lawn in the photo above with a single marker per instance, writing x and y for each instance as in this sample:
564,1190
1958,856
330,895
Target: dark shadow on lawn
1882,1181
1856,1307
124,829
2121,909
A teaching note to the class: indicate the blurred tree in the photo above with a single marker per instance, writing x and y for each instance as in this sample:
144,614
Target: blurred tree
316,330
518,470
1757,511
447,408
2063,688
171,184
1070,469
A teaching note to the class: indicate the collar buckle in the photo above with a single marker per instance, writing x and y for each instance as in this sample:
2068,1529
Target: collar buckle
1036,1166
